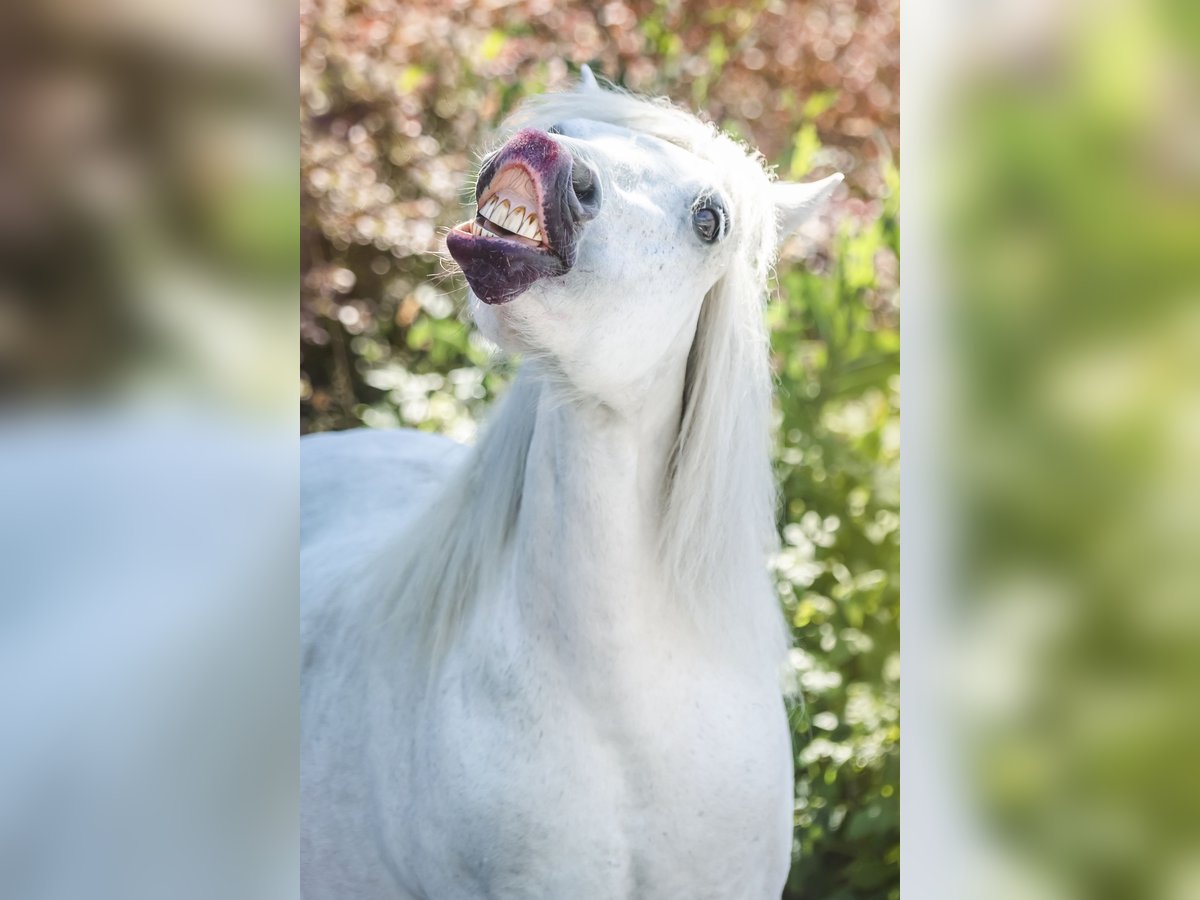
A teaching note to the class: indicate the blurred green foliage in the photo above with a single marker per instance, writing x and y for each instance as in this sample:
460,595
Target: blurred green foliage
1074,217
837,360
397,99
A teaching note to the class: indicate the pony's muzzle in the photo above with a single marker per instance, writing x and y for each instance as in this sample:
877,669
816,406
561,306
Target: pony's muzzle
533,198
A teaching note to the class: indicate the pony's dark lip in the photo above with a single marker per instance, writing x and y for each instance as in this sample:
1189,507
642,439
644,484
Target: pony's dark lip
499,269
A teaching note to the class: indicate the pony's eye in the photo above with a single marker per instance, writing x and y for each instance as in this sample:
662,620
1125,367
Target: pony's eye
709,223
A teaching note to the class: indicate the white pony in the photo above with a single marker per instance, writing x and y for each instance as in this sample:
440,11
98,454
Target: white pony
548,666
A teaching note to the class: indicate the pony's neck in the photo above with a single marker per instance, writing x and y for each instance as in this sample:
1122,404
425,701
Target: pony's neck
586,538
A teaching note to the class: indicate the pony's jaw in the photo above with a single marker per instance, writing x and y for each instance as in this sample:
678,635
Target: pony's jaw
567,325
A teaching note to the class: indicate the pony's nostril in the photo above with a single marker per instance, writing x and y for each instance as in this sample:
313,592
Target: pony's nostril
583,183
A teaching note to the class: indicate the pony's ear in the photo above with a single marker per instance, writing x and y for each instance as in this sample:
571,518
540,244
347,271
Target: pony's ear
587,81
796,202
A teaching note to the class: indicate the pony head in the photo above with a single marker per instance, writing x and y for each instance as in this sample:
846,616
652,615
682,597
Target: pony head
601,224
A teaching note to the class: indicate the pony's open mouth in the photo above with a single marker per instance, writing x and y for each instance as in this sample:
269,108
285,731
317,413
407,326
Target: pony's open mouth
527,219
510,208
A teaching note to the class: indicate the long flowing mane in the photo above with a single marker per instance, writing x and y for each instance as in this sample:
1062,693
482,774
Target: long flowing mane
718,522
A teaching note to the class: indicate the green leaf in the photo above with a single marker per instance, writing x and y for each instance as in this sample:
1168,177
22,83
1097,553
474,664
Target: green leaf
492,45
410,79
805,145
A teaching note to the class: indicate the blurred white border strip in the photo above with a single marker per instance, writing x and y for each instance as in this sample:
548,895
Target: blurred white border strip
934,843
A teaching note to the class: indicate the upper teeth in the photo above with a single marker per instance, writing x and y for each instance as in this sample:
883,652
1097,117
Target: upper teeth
513,216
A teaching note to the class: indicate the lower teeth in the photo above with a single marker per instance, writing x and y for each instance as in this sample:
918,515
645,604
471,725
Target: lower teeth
480,231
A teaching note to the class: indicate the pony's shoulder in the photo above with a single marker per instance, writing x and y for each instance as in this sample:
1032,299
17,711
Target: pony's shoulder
367,442
349,477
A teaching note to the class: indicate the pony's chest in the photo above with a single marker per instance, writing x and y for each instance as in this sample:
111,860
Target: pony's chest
665,782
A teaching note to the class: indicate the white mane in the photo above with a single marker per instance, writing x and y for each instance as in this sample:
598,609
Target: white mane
718,522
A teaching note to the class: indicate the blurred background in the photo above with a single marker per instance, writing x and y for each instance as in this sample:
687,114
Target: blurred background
148,275
147,204
397,100
148,281
1052,450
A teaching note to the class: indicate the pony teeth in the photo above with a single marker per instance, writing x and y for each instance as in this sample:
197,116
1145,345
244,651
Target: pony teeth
512,215
529,227
512,205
